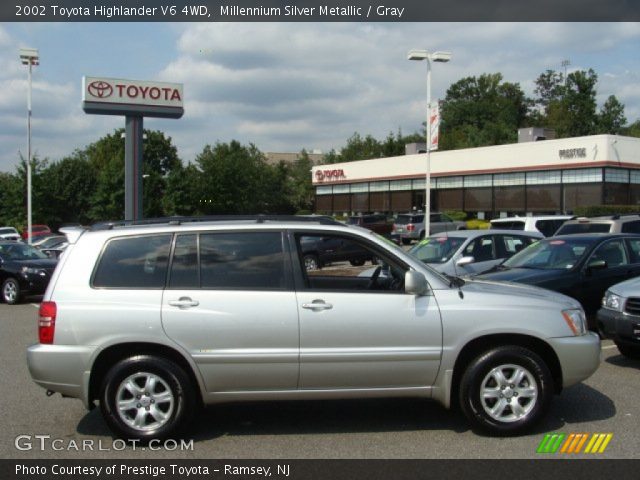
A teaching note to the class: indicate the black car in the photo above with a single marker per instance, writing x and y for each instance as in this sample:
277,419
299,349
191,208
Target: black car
24,270
581,266
319,251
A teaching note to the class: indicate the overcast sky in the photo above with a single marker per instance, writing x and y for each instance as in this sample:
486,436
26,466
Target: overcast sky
286,86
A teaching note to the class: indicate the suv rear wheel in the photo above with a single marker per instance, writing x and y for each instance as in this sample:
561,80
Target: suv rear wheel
146,397
506,390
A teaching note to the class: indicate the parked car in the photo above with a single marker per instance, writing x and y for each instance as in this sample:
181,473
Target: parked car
24,270
152,320
9,233
36,231
375,222
545,224
619,317
582,266
411,226
605,224
48,241
469,252
319,252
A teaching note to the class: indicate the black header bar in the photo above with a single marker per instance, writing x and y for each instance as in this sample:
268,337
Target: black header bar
319,11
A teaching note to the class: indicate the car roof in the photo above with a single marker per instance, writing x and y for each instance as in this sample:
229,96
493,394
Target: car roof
477,233
594,236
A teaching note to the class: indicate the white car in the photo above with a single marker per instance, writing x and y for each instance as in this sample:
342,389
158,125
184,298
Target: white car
9,233
545,224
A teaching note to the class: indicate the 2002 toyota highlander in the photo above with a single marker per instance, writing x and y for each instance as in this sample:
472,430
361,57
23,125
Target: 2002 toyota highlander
152,320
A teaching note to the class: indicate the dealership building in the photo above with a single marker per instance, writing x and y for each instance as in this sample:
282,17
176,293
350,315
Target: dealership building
531,177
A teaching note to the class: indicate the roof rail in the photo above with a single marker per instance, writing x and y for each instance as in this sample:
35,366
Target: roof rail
180,220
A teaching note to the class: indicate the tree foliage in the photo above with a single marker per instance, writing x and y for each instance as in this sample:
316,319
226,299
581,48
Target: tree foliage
480,111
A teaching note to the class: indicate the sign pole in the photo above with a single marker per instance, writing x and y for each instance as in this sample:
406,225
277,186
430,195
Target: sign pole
133,148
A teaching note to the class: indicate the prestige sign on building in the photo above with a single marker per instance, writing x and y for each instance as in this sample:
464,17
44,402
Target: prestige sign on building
114,96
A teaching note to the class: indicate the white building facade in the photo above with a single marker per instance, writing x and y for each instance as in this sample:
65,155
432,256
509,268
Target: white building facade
550,176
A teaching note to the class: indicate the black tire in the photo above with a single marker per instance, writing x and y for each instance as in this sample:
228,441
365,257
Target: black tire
406,241
628,351
11,293
311,262
356,263
171,381
506,420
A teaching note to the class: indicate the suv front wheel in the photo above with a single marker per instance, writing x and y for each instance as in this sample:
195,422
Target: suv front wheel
146,397
506,390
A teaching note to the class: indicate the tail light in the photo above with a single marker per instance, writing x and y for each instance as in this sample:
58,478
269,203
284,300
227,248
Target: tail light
47,321
411,227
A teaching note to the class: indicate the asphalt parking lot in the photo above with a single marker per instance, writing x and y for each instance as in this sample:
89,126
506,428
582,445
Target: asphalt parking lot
385,429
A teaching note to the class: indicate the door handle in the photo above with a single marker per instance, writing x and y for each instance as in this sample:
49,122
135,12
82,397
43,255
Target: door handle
317,305
183,303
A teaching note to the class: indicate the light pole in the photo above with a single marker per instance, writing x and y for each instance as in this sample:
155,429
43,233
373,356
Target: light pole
429,57
29,56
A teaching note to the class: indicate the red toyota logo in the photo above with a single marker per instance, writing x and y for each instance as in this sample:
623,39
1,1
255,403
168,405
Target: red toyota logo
319,175
100,89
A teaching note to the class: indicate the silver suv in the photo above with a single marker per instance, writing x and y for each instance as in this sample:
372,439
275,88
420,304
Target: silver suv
151,321
410,226
605,224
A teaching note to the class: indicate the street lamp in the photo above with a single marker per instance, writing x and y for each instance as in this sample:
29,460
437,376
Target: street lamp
29,56
429,57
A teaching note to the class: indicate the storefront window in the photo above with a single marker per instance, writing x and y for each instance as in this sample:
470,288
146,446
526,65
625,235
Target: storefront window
616,193
509,199
477,200
449,199
401,201
379,202
582,195
547,198
360,202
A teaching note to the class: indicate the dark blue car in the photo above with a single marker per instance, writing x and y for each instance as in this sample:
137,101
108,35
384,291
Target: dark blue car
24,270
581,266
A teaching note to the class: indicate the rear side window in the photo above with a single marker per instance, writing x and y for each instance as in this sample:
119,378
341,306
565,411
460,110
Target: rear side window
508,225
134,262
631,227
587,227
548,227
242,261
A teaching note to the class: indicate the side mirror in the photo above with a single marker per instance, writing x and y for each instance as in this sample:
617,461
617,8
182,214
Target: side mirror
415,283
465,261
597,265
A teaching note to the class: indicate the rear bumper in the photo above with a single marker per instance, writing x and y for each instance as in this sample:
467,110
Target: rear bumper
61,368
579,357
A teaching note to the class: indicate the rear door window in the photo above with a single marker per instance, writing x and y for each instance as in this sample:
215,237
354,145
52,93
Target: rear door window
134,262
631,227
233,261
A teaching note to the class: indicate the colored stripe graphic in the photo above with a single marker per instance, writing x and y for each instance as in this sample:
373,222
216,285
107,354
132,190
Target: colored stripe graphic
574,442
550,443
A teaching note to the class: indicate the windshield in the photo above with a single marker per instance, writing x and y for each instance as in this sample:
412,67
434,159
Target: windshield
7,230
551,254
436,249
19,251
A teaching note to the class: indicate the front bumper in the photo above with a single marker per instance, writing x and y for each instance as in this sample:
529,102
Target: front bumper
61,368
579,357
619,326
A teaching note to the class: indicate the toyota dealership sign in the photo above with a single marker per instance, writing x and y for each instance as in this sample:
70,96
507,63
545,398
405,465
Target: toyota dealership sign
114,96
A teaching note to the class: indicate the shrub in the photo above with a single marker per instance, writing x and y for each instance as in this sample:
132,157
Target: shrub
600,210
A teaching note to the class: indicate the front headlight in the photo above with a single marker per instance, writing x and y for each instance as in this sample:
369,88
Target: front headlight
612,301
576,320
32,271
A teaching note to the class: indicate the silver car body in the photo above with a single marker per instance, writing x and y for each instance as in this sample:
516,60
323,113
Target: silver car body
461,261
252,345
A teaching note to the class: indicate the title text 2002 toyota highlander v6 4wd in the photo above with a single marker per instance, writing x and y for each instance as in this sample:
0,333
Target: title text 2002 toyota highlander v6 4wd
153,320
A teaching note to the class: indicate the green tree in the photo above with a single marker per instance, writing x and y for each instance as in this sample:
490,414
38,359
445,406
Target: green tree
235,179
632,130
106,156
70,184
299,187
364,148
480,111
611,118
